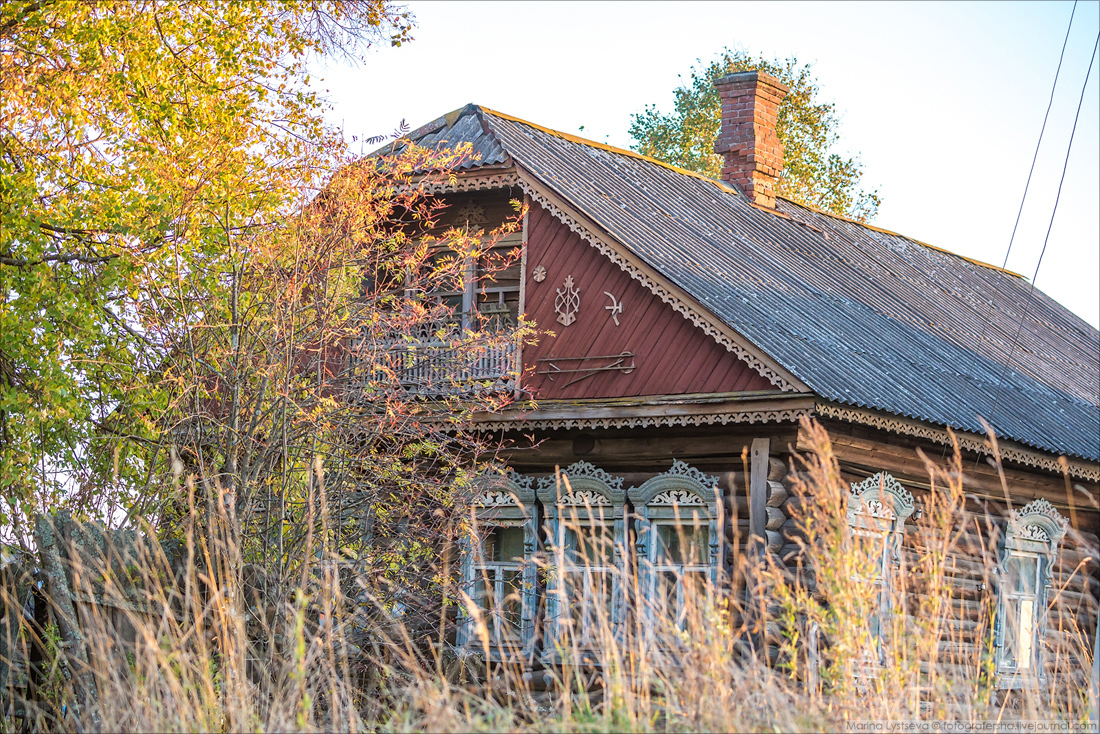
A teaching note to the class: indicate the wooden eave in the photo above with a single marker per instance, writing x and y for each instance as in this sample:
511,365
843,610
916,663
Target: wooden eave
1009,451
766,406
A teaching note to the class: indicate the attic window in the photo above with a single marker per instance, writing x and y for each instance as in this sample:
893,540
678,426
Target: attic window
1030,549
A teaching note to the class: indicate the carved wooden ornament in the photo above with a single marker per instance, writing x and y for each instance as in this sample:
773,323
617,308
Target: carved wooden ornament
567,303
539,274
615,308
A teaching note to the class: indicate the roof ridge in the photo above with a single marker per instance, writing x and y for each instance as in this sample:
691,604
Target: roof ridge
612,149
725,187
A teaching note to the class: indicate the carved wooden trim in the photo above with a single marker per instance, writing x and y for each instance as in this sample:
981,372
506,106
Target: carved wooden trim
676,498
447,185
685,309
682,484
882,497
704,419
1037,521
583,470
967,442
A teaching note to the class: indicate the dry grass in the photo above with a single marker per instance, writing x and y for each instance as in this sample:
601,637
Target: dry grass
198,654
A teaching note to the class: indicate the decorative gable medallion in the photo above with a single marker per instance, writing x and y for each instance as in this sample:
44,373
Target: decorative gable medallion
567,303
539,274
615,308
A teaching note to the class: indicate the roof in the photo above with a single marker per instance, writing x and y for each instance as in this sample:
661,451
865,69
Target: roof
862,316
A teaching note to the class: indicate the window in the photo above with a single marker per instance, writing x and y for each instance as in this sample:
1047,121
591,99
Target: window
877,510
677,540
487,296
584,535
498,567
1030,546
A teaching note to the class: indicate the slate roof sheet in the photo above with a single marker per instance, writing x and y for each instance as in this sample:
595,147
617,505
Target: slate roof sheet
862,316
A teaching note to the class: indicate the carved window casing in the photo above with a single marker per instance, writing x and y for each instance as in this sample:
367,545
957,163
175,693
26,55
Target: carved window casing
677,540
877,510
585,542
498,568
1029,550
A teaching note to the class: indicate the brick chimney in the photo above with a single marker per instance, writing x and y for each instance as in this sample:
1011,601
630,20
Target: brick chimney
747,139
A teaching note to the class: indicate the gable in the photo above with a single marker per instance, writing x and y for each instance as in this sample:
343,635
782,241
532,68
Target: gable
669,353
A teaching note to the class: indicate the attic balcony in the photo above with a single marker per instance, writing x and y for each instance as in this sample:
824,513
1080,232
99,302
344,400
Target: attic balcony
468,362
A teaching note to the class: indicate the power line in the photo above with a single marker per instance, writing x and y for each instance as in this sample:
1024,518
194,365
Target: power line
1031,290
1027,184
1035,157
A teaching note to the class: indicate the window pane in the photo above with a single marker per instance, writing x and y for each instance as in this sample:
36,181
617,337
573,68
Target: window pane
588,600
1023,574
504,545
684,544
511,610
1026,633
591,545
666,600
498,283
871,553
695,586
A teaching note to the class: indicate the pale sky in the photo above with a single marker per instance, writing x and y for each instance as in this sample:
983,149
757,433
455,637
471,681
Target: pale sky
943,101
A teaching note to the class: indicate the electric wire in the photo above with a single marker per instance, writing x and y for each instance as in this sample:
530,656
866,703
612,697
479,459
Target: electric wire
1046,239
1035,157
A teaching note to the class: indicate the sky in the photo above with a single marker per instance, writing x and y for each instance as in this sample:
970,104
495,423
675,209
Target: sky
943,102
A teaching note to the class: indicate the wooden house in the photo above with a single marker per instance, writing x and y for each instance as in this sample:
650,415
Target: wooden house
688,324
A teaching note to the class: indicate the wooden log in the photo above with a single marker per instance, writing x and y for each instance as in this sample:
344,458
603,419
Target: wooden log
979,478
777,494
775,540
775,518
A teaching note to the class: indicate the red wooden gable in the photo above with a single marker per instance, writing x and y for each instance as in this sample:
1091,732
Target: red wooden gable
671,355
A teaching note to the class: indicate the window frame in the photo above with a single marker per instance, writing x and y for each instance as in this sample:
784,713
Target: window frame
661,502
586,495
1035,531
878,507
499,500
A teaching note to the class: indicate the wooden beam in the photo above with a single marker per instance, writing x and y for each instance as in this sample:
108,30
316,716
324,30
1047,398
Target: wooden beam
758,491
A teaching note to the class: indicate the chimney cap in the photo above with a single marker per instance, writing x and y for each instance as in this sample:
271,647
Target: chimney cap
761,77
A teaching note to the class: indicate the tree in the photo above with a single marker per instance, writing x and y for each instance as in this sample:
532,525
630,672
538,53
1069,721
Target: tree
813,174
138,140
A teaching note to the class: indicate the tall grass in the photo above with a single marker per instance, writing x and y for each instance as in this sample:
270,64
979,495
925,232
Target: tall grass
194,643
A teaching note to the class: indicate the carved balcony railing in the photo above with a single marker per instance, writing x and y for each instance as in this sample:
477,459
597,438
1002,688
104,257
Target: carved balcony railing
434,367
